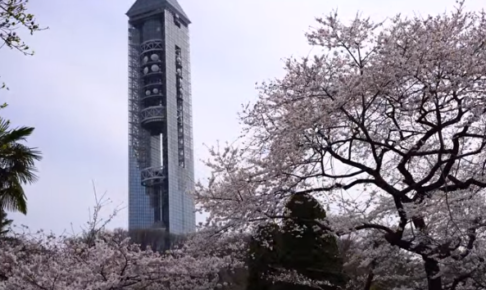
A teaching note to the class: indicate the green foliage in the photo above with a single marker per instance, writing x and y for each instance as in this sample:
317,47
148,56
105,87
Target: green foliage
299,245
4,223
307,247
17,166
13,15
263,256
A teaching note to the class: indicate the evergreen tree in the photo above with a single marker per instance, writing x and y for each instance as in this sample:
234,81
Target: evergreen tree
307,248
262,257
299,245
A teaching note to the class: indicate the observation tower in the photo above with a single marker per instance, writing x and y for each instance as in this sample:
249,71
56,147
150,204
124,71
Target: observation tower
161,165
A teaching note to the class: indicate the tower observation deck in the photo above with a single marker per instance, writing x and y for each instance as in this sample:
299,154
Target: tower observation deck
161,165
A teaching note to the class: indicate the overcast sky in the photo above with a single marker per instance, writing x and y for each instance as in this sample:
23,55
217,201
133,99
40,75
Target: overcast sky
74,89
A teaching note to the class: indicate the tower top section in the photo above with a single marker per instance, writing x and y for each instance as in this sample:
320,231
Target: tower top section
143,8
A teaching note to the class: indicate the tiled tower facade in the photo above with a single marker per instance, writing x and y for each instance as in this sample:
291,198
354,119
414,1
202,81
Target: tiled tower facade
161,164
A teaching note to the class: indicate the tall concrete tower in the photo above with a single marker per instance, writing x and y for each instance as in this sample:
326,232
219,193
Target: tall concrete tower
161,165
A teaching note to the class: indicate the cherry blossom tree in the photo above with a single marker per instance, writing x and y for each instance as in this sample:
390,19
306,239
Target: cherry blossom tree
386,126
100,259
371,263
48,262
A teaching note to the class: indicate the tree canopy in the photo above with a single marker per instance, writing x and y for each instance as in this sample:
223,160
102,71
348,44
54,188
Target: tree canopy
386,124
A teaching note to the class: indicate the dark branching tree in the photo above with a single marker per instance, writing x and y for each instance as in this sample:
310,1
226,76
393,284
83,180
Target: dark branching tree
371,264
387,124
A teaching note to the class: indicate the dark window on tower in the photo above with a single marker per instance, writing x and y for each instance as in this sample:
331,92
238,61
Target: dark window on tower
180,107
151,30
177,20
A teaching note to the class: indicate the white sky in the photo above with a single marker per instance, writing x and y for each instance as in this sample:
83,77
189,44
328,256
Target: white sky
74,90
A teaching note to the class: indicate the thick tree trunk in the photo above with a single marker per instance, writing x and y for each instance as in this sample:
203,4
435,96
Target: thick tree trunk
369,280
432,269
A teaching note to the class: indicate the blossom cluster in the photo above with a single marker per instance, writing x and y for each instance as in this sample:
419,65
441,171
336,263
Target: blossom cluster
47,262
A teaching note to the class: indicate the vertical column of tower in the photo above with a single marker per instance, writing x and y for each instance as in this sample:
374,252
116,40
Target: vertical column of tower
180,156
152,114
138,214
